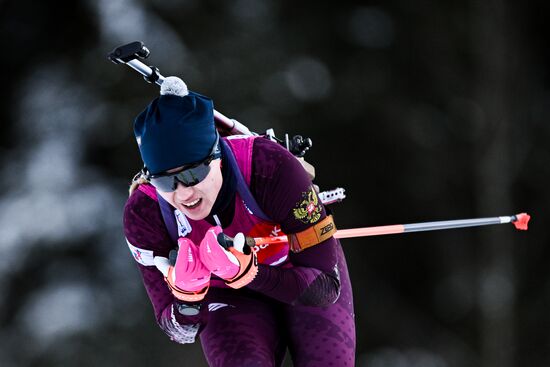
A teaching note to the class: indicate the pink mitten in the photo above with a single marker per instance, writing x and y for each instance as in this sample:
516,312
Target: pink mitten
188,278
235,262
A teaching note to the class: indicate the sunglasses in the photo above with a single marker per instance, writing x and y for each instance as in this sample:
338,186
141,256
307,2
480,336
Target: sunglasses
188,175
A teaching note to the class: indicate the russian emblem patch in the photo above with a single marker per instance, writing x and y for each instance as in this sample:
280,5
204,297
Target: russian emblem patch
308,210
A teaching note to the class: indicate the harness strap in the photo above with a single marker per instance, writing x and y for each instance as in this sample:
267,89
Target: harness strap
242,187
167,212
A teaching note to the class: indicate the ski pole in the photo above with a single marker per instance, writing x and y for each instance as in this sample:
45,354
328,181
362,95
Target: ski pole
130,54
519,220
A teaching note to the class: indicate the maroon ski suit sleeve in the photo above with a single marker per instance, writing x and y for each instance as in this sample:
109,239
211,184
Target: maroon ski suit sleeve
281,186
144,229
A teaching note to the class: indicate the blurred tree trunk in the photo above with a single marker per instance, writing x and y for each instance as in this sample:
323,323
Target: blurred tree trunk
495,60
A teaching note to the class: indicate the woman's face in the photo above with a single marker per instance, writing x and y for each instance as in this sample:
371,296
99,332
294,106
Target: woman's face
196,201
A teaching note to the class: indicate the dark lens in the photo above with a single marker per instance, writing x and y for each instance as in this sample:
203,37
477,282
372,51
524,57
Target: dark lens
188,177
192,176
164,183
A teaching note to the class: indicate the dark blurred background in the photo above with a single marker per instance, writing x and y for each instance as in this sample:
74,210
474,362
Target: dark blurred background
422,110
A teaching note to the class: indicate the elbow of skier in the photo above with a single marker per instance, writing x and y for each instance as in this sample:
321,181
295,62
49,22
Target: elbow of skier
322,292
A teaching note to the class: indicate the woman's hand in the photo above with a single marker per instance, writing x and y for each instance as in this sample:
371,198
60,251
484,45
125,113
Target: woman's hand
229,258
186,275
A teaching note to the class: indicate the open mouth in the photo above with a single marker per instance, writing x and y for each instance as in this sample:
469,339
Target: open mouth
192,204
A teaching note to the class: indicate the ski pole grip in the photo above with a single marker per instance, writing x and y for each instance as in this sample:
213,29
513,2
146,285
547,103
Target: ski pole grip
227,242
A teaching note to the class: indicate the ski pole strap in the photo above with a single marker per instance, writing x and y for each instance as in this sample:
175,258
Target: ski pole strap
313,235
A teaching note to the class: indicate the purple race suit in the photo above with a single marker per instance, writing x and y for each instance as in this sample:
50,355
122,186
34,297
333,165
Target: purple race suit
298,301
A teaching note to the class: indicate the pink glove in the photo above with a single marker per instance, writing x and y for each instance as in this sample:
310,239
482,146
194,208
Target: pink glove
236,263
188,278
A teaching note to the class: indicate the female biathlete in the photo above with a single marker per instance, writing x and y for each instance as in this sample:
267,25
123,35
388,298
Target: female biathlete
197,198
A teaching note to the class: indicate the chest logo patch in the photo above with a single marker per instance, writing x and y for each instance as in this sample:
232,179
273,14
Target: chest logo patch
269,254
308,210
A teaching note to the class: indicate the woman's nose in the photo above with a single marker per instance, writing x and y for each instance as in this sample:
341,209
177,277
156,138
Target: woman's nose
183,192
